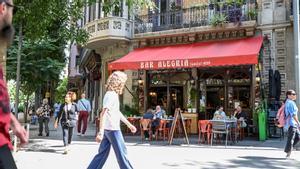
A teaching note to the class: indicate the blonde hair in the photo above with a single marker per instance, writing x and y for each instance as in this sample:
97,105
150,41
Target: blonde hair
72,95
116,82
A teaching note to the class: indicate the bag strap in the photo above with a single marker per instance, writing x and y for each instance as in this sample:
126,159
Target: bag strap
66,112
83,105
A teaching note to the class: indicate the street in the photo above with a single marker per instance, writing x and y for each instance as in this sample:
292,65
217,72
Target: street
46,153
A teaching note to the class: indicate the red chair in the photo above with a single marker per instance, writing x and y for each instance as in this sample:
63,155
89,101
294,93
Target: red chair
162,131
204,129
145,125
132,120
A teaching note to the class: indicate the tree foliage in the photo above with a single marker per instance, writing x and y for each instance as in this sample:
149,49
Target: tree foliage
61,90
42,61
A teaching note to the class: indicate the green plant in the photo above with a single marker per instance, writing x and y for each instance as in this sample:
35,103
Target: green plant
240,2
174,6
129,111
218,20
252,13
230,2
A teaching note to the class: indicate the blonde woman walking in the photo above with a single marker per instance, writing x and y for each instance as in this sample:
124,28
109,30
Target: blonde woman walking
110,117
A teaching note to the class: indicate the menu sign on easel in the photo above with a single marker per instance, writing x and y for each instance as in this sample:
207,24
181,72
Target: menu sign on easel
178,116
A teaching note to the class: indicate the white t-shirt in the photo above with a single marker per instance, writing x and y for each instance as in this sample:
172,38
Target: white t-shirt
113,115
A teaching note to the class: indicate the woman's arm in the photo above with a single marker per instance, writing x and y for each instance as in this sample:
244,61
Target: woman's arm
128,124
101,125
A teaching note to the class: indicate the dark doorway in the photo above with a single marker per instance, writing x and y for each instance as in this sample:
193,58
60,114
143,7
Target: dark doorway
158,96
215,98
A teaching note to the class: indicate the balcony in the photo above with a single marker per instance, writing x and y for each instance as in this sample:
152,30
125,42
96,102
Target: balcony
198,16
106,31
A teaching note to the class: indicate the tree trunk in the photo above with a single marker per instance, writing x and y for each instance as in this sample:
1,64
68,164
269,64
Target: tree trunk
26,108
18,70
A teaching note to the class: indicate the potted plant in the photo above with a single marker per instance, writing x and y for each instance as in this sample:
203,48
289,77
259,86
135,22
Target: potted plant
218,20
252,13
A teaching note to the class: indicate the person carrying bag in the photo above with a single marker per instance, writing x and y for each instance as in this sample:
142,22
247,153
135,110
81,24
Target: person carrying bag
67,118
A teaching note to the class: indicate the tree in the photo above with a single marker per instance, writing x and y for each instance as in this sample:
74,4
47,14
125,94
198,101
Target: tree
61,90
39,23
35,22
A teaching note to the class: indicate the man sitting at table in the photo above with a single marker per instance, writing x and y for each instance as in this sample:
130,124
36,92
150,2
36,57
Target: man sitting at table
145,123
219,114
158,115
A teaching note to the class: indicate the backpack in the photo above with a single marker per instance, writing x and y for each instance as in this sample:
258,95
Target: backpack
280,117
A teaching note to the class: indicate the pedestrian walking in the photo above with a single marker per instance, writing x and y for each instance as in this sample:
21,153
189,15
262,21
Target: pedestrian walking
67,118
7,119
56,108
110,117
84,108
44,117
291,111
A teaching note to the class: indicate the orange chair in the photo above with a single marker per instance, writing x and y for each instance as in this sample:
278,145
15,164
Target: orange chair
162,131
145,125
188,125
240,130
204,129
132,121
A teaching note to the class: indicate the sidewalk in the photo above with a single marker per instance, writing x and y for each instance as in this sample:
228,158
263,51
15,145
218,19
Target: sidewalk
46,152
56,134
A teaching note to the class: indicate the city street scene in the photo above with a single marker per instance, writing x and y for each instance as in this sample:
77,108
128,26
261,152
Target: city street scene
166,84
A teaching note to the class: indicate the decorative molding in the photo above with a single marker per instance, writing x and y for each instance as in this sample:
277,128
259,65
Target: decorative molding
117,25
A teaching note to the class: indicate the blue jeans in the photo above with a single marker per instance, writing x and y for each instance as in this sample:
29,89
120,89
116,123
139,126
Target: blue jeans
115,139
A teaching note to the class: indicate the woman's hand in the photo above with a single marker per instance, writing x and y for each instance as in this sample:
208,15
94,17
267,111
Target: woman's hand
55,125
99,138
132,128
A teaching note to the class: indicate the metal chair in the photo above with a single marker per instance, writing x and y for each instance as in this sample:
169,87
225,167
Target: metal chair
219,127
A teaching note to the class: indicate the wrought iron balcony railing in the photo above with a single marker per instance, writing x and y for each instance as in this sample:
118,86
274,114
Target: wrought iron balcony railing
202,15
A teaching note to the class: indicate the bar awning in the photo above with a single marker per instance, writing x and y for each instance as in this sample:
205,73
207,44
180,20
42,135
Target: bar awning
202,54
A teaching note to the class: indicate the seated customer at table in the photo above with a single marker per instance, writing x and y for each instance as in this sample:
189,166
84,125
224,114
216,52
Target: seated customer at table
219,114
145,123
239,115
158,115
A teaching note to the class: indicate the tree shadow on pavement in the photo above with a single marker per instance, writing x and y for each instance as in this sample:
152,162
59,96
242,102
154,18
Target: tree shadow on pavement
255,162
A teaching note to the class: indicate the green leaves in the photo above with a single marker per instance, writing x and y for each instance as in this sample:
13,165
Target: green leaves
42,61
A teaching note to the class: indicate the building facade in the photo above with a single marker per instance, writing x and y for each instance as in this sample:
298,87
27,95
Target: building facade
180,22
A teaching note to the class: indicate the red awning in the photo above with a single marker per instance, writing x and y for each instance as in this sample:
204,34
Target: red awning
202,54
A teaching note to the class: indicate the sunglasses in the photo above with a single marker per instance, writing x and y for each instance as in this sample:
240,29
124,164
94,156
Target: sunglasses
12,6
294,94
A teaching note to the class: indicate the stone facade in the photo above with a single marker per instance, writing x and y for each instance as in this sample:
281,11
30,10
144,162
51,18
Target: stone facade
274,22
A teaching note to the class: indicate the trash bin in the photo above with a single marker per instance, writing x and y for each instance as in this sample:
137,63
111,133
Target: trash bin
262,132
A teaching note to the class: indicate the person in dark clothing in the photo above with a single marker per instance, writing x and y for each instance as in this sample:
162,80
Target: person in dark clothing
148,115
44,117
240,116
67,118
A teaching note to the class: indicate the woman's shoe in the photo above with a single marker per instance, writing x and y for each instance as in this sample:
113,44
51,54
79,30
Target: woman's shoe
65,150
